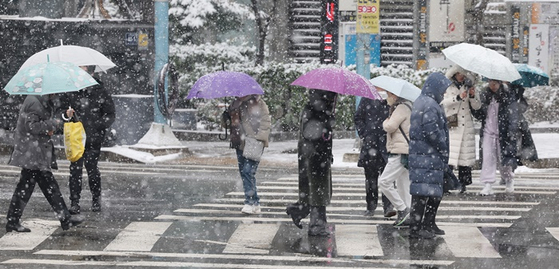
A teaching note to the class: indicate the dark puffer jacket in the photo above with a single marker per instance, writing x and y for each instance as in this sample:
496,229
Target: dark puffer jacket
428,152
368,121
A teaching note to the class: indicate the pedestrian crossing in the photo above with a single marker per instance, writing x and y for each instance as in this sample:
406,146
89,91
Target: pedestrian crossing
270,240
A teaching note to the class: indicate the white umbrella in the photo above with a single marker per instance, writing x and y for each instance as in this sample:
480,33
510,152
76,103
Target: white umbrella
483,61
80,56
398,87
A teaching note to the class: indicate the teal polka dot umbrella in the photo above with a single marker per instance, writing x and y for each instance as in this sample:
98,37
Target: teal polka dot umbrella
49,78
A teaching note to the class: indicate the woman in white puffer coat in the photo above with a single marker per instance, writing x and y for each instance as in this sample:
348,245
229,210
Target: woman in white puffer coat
459,98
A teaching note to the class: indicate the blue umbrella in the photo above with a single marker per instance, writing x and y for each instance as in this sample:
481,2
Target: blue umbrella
531,76
49,78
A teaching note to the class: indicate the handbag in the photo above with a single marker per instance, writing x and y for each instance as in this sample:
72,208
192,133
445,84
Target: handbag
452,120
74,140
450,181
253,149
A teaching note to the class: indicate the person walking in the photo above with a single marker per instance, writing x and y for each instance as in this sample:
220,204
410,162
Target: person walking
428,156
368,122
458,101
95,109
250,118
498,135
314,160
34,153
397,127
526,149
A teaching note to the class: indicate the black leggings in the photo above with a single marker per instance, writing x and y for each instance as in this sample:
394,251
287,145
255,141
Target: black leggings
423,212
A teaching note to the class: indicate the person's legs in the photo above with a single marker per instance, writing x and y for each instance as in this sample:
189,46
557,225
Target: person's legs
91,161
371,188
247,169
403,187
418,204
489,165
391,172
301,209
51,191
75,185
430,215
465,177
21,196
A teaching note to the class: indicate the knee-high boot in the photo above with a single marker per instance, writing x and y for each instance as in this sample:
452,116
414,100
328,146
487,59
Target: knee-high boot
317,224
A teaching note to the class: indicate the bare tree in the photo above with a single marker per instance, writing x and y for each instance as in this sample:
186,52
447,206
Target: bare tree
478,14
263,20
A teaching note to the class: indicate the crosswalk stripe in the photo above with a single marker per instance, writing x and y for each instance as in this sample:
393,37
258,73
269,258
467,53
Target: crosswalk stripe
40,231
138,236
554,231
330,214
358,241
244,240
469,242
357,202
360,187
361,209
332,221
294,195
262,258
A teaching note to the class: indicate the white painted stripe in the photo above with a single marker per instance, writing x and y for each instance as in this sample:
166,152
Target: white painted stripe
357,202
333,221
138,236
468,242
59,173
164,264
358,241
252,238
205,212
40,231
554,231
361,209
294,195
294,258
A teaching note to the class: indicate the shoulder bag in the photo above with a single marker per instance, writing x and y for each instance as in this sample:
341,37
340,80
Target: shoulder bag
253,149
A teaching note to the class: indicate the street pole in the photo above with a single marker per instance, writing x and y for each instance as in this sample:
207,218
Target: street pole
161,51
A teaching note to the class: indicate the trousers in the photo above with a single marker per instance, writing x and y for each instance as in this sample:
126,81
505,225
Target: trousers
90,160
396,172
423,212
25,188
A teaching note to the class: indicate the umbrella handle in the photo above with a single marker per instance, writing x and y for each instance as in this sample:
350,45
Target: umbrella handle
223,137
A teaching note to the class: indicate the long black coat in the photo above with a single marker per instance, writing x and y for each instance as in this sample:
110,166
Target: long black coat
507,122
315,148
95,109
368,120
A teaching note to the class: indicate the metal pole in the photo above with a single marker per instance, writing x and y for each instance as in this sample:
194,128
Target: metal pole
161,50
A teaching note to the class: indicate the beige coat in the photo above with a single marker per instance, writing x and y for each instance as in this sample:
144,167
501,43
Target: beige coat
462,137
249,117
395,141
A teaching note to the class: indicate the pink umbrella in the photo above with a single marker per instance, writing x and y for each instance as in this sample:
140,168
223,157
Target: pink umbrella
337,80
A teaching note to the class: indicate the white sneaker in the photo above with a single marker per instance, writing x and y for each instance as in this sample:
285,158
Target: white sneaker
510,186
487,190
256,209
247,209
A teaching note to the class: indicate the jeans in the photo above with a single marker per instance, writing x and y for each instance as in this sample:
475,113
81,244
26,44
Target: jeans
247,169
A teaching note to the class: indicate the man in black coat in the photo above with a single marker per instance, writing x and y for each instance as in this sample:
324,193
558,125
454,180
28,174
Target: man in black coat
368,120
95,109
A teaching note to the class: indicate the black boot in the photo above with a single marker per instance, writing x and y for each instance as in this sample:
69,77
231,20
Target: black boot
297,212
72,221
96,204
74,207
317,224
16,227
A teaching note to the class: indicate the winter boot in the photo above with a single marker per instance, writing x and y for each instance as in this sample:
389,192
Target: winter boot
317,224
297,212
96,204
72,221
487,190
16,227
509,189
74,207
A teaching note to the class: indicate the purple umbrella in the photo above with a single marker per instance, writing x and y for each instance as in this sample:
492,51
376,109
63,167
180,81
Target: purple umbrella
224,84
337,80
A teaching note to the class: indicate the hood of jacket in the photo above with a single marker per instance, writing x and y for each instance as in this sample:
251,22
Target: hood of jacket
435,86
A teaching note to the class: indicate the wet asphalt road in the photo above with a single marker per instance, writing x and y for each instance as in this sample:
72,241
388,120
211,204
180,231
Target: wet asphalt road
193,214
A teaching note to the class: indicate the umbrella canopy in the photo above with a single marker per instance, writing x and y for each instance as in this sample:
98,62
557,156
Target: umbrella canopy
531,76
80,56
337,80
224,84
49,78
399,87
483,61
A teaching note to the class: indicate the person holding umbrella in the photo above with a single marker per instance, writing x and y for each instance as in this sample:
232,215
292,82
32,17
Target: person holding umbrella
458,101
368,122
428,159
315,159
249,118
498,135
95,109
